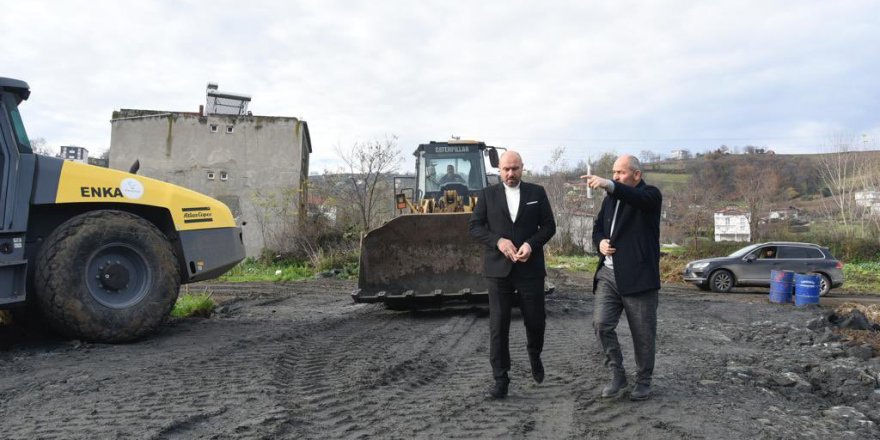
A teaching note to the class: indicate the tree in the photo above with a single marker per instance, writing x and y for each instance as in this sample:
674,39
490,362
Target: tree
692,211
840,170
364,173
40,146
757,184
648,156
605,165
555,186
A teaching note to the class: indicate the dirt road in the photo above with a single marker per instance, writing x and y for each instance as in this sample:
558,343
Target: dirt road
299,360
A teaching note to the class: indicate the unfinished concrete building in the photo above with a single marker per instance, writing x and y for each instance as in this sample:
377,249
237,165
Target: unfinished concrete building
258,165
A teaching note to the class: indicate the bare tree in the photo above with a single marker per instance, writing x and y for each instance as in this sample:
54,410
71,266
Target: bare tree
691,211
839,171
556,193
365,171
869,181
604,165
757,184
40,146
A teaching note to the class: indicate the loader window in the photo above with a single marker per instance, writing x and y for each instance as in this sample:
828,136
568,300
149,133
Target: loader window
21,138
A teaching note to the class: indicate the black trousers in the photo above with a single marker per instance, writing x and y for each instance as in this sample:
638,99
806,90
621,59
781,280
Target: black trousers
502,291
641,314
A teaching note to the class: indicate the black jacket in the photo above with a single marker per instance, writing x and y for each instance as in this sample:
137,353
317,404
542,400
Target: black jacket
535,224
636,236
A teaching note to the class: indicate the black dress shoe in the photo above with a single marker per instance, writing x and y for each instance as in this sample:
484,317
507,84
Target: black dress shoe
618,382
498,391
641,391
537,369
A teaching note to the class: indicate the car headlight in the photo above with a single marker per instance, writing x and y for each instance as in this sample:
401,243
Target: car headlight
699,266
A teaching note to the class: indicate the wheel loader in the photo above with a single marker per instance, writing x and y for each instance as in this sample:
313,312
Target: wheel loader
99,253
424,256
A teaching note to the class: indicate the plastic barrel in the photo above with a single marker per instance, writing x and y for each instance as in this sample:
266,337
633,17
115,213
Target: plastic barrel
806,289
781,286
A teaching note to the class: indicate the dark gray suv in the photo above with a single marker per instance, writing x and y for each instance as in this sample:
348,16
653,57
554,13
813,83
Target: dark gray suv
751,266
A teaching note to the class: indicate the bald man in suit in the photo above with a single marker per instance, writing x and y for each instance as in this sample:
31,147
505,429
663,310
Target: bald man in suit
514,221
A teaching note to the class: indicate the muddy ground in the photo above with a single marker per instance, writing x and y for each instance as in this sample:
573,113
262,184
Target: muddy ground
300,360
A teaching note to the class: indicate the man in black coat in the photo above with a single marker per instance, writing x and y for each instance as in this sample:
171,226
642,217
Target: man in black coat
627,233
514,220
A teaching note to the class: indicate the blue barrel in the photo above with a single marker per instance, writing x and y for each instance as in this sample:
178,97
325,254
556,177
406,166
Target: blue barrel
806,289
781,286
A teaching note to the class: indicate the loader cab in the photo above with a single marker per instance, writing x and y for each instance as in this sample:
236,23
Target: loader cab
457,165
16,173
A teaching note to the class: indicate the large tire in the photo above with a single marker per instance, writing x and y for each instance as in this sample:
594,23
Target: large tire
106,276
721,281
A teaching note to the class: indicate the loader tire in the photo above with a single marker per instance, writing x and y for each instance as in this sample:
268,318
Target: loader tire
106,276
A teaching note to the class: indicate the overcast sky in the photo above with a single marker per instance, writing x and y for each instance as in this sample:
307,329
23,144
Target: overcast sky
590,76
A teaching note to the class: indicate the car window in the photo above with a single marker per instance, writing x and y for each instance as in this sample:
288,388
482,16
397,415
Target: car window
766,253
793,252
814,253
743,251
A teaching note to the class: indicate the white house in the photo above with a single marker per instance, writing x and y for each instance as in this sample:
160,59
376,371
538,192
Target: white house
74,153
679,154
867,198
732,224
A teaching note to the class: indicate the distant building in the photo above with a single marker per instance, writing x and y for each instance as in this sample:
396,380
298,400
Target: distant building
679,154
75,154
580,226
789,213
732,224
867,199
257,165
99,161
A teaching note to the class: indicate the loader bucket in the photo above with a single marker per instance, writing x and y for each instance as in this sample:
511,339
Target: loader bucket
420,259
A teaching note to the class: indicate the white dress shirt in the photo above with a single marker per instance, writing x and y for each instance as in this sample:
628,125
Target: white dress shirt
512,195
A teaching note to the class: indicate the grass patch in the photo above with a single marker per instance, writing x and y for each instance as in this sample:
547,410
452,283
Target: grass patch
188,305
862,277
671,265
574,263
252,270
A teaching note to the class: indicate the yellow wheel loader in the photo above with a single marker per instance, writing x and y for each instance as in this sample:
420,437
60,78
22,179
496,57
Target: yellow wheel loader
424,256
100,253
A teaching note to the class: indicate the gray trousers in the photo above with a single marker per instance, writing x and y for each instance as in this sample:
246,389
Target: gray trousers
641,314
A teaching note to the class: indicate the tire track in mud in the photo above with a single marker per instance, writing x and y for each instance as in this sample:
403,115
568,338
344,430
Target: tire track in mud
425,375
302,361
195,379
160,398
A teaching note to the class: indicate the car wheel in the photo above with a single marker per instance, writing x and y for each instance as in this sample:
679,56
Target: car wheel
824,284
721,281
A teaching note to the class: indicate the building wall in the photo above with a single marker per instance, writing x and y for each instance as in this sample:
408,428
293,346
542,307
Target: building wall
734,227
867,198
264,160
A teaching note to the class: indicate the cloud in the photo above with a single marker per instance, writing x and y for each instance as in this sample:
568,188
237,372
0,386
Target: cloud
590,76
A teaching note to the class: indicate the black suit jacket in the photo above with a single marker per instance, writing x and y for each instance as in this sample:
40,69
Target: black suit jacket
636,236
534,225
